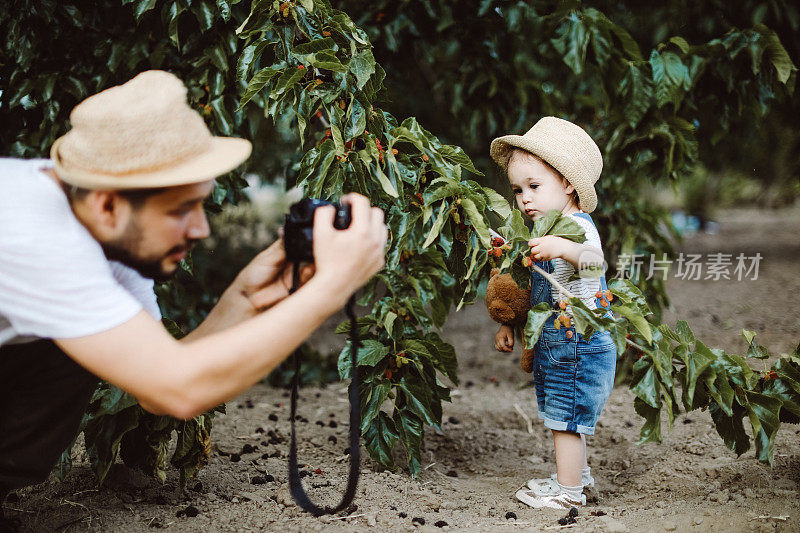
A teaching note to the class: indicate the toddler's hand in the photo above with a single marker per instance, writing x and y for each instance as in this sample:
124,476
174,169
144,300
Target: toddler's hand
504,340
546,248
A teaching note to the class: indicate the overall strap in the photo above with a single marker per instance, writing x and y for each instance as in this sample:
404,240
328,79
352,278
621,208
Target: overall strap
603,285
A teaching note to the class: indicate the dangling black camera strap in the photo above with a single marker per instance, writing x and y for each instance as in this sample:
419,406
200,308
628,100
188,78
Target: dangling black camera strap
295,483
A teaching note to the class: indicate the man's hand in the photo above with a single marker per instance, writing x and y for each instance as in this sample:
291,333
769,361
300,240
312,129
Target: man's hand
547,247
346,259
504,339
267,279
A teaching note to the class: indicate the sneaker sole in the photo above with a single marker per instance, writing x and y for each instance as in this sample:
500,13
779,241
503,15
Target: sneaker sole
538,503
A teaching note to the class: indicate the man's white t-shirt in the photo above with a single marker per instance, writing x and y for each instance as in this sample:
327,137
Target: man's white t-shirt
55,280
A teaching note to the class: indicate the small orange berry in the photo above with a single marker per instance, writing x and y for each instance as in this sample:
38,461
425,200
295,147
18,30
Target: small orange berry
604,302
425,157
301,67
609,295
326,33
598,294
394,151
562,305
569,334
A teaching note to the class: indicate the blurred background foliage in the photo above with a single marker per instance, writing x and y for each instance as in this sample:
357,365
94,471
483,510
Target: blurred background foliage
691,97
487,74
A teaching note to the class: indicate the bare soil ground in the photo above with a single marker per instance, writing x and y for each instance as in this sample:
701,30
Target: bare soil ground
691,482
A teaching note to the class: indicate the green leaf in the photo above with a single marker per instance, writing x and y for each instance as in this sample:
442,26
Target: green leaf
567,228
455,154
317,45
776,54
380,438
638,321
444,356
572,44
681,43
684,333
497,202
537,316
543,226
731,428
372,399
362,66
410,429
476,219
140,7
257,82
437,225
648,388
651,430
638,90
286,81
370,354
418,399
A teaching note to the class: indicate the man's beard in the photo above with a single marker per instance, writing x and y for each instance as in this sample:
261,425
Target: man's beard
120,250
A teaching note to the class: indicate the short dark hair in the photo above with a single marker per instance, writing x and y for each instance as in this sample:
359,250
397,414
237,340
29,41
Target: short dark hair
136,197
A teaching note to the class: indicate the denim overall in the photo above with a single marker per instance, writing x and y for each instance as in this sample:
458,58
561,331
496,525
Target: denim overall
573,377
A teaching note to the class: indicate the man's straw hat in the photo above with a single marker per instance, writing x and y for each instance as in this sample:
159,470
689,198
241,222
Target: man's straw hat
142,134
564,146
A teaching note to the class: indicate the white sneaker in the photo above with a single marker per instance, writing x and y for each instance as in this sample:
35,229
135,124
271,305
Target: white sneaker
558,501
549,486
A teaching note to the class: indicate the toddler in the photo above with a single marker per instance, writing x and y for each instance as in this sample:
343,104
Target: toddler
555,166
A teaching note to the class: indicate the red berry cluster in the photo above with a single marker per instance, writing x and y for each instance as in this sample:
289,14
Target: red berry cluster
381,149
498,246
606,297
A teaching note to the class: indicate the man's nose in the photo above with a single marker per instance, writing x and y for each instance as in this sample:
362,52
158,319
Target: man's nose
198,225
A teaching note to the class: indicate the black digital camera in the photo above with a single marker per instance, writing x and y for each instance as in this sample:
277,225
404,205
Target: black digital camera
298,236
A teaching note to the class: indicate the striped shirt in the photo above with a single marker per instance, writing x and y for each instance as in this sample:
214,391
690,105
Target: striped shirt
583,288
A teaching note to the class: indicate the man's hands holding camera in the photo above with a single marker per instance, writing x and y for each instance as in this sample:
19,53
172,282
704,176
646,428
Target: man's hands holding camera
344,259
347,259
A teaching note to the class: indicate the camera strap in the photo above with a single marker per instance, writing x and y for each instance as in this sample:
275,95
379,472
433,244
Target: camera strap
295,483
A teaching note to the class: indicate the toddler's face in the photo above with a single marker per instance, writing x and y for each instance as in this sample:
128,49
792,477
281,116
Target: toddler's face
537,187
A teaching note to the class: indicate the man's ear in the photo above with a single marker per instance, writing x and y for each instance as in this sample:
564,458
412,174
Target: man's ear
107,212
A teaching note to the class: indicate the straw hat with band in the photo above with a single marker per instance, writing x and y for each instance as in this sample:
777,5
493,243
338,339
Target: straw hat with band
564,146
142,134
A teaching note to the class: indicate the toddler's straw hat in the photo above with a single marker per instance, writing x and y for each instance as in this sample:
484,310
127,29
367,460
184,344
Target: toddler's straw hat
564,146
142,134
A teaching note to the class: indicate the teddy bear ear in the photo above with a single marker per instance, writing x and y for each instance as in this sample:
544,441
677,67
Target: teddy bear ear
494,272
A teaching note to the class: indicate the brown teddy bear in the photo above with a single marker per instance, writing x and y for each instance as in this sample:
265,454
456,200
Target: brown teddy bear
508,304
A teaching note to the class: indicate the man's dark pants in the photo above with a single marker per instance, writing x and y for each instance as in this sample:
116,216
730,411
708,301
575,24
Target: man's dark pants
43,395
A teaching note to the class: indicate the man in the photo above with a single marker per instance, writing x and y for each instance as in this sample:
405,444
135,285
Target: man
83,235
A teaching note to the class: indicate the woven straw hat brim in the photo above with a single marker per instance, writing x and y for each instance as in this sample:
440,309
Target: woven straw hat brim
223,155
564,146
